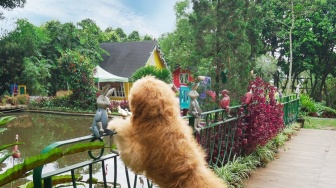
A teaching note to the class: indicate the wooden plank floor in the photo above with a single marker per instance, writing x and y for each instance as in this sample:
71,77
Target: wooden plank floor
308,160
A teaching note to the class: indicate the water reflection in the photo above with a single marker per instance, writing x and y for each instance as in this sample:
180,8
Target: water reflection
38,130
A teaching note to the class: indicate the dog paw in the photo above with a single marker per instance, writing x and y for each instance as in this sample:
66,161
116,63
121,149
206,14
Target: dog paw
115,125
112,125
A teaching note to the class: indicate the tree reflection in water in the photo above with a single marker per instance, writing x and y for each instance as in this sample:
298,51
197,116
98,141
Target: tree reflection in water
38,130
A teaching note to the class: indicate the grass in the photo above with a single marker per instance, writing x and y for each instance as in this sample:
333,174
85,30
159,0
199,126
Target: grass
320,123
240,168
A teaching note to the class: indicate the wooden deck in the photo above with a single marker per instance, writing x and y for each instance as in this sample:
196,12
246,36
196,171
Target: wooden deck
308,160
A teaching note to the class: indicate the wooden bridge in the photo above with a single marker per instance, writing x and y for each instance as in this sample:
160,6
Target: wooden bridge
308,160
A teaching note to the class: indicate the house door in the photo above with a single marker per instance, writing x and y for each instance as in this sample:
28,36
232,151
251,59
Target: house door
184,98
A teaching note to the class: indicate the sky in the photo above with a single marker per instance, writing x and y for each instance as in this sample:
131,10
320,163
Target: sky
152,17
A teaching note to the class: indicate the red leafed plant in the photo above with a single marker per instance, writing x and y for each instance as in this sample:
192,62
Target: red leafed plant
257,123
263,119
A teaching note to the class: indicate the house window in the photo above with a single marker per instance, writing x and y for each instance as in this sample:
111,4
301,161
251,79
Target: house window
119,91
184,78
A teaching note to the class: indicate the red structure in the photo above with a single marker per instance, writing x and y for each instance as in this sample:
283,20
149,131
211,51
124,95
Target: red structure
182,77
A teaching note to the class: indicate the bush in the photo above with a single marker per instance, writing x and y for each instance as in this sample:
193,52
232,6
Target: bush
3,101
240,168
312,108
307,104
61,101
11,100
22,99
325,111
264,118
161,74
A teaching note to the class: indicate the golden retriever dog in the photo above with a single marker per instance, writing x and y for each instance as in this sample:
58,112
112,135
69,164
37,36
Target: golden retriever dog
157,142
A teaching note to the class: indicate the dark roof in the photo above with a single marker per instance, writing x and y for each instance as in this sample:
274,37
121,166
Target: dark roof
126,57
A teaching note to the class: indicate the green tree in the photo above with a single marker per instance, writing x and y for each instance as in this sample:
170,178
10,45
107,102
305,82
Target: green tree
121,34
78,69
110,35
39,50
214,37
134,36
147,38
178,46
24,41
220,37
11,4
265,67
322,52
84,39
312,40
35,73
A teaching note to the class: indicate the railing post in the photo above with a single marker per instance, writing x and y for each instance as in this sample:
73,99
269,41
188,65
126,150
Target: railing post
37,177
191,121
37,172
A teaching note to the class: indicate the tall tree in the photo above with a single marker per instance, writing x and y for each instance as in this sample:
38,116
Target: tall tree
222,40
178,46
110,35
134,36
313,48
10,4
35,74
121,34
24,41
322,53
214,37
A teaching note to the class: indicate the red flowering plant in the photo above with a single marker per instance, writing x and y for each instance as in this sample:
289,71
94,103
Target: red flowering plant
263,118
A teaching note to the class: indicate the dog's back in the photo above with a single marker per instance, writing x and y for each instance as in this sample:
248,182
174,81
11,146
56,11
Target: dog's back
156,141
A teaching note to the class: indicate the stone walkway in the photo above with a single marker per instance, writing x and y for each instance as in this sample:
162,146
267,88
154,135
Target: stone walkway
308,160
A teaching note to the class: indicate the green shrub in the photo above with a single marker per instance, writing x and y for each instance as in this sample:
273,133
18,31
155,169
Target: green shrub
11,100
161,74
240,168
325,110
61,101
22,99
3,101
307,104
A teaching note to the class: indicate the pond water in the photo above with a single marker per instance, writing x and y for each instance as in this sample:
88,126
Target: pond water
38,130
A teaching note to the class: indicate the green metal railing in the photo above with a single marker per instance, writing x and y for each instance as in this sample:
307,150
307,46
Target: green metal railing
217,137
46,179
291,108
217,134
38,177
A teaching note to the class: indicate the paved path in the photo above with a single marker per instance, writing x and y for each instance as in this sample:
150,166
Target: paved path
308,160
